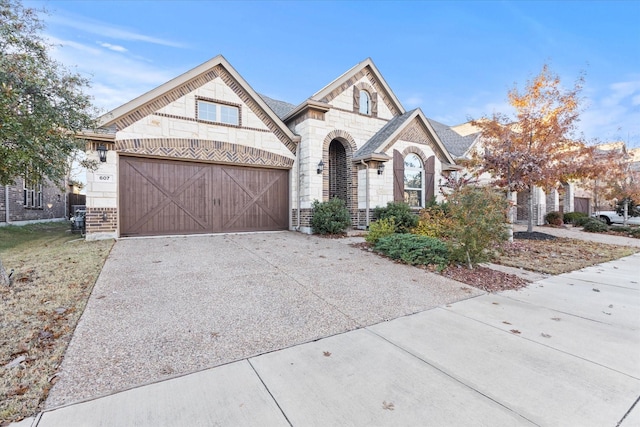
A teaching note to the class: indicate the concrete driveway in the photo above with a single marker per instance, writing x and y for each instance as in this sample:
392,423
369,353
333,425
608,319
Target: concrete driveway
563,352
164,307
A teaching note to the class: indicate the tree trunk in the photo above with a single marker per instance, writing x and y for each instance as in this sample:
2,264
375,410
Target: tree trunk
625,212
4,277
530,204
511,216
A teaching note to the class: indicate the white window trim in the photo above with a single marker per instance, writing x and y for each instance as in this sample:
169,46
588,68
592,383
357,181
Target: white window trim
422,176
364,96
219,106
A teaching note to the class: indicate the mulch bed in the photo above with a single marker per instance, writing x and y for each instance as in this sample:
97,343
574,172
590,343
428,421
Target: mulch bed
484,278
534,235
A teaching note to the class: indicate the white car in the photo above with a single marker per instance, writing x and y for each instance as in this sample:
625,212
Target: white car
612,217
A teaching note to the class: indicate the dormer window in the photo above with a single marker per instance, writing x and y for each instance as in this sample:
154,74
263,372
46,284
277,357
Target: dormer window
365,103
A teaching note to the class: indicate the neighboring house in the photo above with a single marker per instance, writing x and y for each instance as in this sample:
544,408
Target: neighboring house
464,140
594,191
28,201
205,153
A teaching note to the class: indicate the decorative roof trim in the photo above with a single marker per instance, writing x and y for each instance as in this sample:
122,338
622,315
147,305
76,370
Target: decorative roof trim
168,92
342,83
308,104
445,156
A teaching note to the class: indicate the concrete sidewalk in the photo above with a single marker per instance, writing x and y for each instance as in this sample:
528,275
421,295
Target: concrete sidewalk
565,351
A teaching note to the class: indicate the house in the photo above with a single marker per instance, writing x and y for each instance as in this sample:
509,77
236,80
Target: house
31,201
205,153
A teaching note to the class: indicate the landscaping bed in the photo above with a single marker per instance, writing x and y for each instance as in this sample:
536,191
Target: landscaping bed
54,273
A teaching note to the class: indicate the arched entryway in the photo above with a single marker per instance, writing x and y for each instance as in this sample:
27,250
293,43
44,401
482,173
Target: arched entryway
338,174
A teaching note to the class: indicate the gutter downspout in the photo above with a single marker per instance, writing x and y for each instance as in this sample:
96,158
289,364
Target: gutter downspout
298,203
366,180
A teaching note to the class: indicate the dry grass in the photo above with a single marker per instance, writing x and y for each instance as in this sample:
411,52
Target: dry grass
559,255
54,275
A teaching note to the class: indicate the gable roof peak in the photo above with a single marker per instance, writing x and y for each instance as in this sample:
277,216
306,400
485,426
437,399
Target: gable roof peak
345,80
198,76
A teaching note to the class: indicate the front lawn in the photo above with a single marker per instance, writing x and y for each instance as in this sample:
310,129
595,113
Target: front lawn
54,273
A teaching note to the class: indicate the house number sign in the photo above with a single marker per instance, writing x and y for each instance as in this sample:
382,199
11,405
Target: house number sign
104,178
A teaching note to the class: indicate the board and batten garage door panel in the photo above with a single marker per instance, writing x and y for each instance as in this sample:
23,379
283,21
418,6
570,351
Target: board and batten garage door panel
159,197
254,199
164,197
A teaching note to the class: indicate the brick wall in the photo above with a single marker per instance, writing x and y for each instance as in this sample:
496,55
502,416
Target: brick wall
101,220
51,196
305,217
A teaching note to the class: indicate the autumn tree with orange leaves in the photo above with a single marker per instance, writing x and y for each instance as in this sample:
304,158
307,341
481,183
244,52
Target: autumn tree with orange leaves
536,146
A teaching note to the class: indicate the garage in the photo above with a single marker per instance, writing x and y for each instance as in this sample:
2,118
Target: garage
163,197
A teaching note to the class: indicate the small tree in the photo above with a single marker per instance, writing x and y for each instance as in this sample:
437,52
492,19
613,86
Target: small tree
42,105
535,148
478,221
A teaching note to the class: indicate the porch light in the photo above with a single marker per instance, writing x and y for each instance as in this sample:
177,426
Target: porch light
102,152
380,168
320,167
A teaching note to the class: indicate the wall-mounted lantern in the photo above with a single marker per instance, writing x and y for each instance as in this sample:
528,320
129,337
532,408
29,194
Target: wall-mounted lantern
320,167
380,168
102,152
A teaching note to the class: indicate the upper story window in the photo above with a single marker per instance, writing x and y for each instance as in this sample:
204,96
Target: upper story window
218,113
365,102
413,181
32,193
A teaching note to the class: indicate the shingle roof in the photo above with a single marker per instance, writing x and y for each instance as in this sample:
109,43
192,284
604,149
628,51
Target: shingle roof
382,135
452,140
281,108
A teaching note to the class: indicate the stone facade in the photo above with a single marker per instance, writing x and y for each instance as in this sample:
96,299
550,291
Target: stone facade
329,127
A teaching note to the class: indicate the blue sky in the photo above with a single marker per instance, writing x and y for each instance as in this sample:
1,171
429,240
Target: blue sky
455,60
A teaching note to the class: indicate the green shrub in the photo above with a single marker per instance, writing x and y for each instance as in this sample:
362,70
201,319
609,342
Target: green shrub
330,217
381,228
629,231
554,218
580,222
433,222
479,223
573,217
401,213
414,249
594,225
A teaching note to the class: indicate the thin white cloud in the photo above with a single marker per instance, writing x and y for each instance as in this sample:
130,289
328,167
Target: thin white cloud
116,78
108,31
114,47
414,100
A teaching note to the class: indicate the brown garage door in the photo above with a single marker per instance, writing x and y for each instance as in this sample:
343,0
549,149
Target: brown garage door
159,197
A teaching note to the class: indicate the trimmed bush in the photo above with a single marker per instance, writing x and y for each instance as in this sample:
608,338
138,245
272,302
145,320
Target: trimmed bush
330,217
401,213
594,225
479,222
381,228
580,222
554,218
414,249
433,222
573,217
